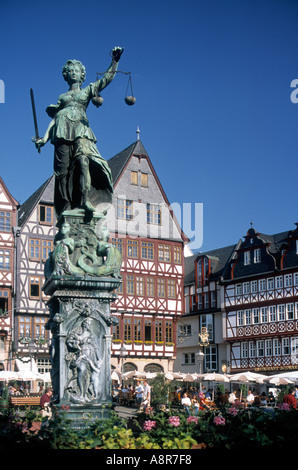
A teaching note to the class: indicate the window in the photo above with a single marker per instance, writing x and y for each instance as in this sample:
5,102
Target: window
164,253
257,255
158,331
137,329
3,306
4,259
272,313
278,282
268,347
148,335
150,287
276,347
144,180
118,243
270,283
129,284
24,327
5,221
240,319
39,327
264,315
247,314
134,177
39,249
34,287
132,248
260,348
171,288
177,254
127,329
286,346
161,284
169,331
295,279
246,258
147,250
262,284
252,349
213,299
211,358
281,312
116,331
200,301
185,330
46,214
256,315
246,288
290,311
206,321
189,358
238,289
244,350
206,300
153,214
124,209
288,280
139,285
254,287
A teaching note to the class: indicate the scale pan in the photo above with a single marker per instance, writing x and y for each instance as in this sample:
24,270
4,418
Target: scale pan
130,100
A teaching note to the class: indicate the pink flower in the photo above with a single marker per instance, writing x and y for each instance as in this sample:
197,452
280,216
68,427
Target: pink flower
192,419
148,425
174,421
284,407
232,411
219,421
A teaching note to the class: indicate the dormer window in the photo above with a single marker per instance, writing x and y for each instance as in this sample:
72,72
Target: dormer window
246,258
257,255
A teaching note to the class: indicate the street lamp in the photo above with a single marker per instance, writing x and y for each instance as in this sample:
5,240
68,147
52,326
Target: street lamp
123,354
203,343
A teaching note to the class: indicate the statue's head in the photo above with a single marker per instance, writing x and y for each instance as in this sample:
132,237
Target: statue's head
69,66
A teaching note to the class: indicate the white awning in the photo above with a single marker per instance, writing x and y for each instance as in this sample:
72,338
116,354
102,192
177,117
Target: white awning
29,365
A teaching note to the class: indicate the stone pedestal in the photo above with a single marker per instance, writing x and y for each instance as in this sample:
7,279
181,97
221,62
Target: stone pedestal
80,323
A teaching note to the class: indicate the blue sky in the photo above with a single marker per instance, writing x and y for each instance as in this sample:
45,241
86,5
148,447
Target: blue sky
212,81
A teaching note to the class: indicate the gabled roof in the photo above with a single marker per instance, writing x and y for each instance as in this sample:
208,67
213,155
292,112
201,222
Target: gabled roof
118,163
41,194
219,261
13,201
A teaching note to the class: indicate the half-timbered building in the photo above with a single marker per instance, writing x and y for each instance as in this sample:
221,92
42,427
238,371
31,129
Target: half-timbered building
36,231
8,217
151,298
203,313
261,302
143,227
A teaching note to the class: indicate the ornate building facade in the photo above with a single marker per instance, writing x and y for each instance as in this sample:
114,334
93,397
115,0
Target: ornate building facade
8,217
151,297
261,302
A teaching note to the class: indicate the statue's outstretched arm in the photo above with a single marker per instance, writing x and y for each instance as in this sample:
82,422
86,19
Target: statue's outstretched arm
110,73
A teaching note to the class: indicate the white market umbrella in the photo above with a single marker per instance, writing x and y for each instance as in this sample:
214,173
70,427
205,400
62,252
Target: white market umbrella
8,375
45,377
178,375
27,375
275,380
151,375
247,377
115,376
135,374
215,377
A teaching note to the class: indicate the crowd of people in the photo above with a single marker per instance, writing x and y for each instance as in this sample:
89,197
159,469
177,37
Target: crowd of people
194,400
138,394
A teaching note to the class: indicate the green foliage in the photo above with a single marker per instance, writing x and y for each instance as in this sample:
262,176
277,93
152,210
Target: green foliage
228,427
